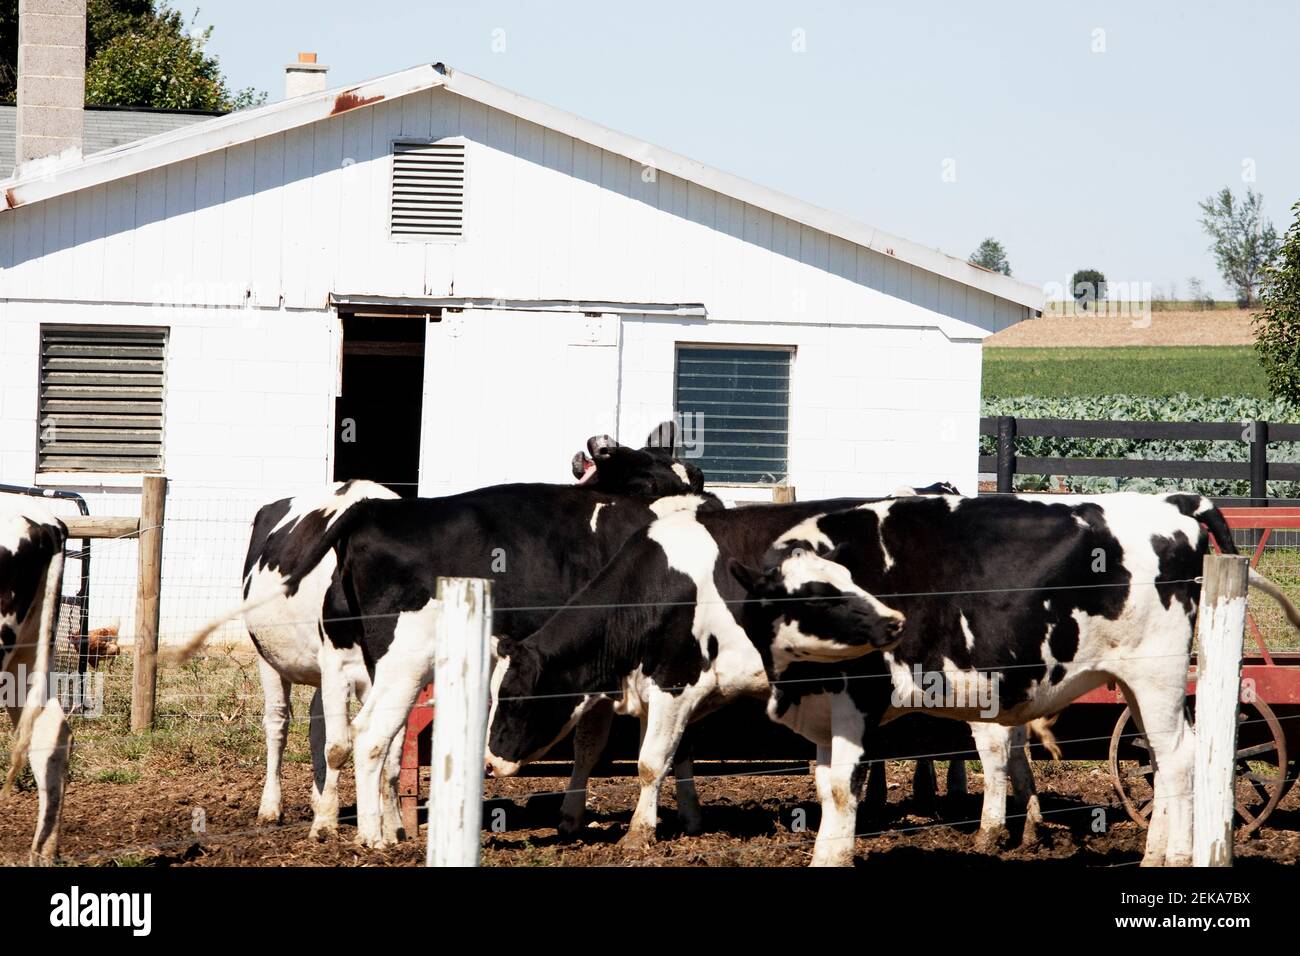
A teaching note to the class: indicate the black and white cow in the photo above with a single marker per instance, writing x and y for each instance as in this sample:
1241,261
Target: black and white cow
31,577
654,633
1010,608
537,543
658,635
286,632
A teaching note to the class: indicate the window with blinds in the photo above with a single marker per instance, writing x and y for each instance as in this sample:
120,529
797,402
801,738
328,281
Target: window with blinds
101,399
738,399
428,197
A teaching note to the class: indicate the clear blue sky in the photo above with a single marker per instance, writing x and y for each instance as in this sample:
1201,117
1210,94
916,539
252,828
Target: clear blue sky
1070,157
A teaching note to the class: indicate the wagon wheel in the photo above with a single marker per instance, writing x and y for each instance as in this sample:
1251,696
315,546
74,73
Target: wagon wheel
1259,788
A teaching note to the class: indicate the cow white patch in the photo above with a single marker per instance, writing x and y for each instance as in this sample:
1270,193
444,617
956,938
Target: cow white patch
674,504
806,530
595,514
680,471
967,633
791,644
690,549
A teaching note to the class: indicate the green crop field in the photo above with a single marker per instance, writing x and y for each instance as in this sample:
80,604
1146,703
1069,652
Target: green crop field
1132,370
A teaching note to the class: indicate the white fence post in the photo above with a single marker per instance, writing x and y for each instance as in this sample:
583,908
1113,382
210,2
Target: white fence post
462,636
1222,629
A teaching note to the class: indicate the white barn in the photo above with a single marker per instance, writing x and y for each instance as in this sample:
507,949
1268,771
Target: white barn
432,281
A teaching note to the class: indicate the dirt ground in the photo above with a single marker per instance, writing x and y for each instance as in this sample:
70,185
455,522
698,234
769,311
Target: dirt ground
1222,327
189,815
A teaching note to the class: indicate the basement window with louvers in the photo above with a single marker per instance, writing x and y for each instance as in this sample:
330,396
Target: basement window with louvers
428,197
736,404
101,399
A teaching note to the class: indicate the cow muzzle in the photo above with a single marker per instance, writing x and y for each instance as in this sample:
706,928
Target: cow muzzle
495,766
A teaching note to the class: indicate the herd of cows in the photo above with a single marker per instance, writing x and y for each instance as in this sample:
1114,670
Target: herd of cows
636,592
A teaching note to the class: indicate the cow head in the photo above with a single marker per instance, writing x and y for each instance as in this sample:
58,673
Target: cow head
813,610
524,722
649,472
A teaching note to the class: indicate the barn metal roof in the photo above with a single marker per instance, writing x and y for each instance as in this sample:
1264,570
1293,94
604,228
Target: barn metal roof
106,127
246,125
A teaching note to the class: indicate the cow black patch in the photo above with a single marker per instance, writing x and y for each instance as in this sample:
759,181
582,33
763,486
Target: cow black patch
1179,565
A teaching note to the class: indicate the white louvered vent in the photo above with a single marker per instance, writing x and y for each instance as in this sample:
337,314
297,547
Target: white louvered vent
101,398
428,190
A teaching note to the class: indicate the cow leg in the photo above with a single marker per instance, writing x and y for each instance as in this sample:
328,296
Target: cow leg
589,740
1157,703
993,742
51,749
840,785
391,822
689,812
923,787
334,691
667,717
1022,784
877,788
316,742
956,778
276,713
399,676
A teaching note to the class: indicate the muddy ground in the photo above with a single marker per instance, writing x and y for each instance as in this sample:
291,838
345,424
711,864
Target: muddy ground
185,815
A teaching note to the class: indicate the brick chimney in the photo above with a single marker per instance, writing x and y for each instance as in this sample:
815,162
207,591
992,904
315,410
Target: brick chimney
305,76
51,81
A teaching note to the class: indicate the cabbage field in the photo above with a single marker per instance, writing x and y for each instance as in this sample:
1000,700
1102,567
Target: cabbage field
1176,408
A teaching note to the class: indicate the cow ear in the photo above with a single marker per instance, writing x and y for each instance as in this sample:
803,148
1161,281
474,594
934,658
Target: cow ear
502,646
834,553
663,436
751,579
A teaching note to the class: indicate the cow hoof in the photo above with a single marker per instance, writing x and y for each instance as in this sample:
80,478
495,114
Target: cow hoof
693,826
638,838
991,839
569,829
320,832
373,842
838,859
271,817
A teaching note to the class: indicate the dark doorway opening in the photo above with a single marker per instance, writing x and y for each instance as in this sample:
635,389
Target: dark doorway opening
377,416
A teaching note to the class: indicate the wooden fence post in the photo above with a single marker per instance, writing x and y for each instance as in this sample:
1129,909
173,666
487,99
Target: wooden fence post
782,494
153,498
1222,629
462,642
1006,454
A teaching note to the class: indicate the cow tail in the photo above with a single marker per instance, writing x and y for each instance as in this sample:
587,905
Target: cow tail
1258,580
1041,728
38,689
181,653
335,535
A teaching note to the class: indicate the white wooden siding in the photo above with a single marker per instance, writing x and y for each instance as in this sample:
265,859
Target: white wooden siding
291,217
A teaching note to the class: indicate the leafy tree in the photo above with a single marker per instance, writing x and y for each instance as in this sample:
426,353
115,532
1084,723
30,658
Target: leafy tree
138,53
1277,324
1243,241
1087,286
991,255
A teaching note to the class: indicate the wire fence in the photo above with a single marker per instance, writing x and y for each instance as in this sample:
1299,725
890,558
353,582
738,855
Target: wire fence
205,539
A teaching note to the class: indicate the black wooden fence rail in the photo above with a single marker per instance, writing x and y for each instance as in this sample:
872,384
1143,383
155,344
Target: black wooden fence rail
1258,470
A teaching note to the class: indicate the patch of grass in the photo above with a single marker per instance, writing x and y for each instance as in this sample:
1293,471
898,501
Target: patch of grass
1131,370
1282,567
208,714
117,776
